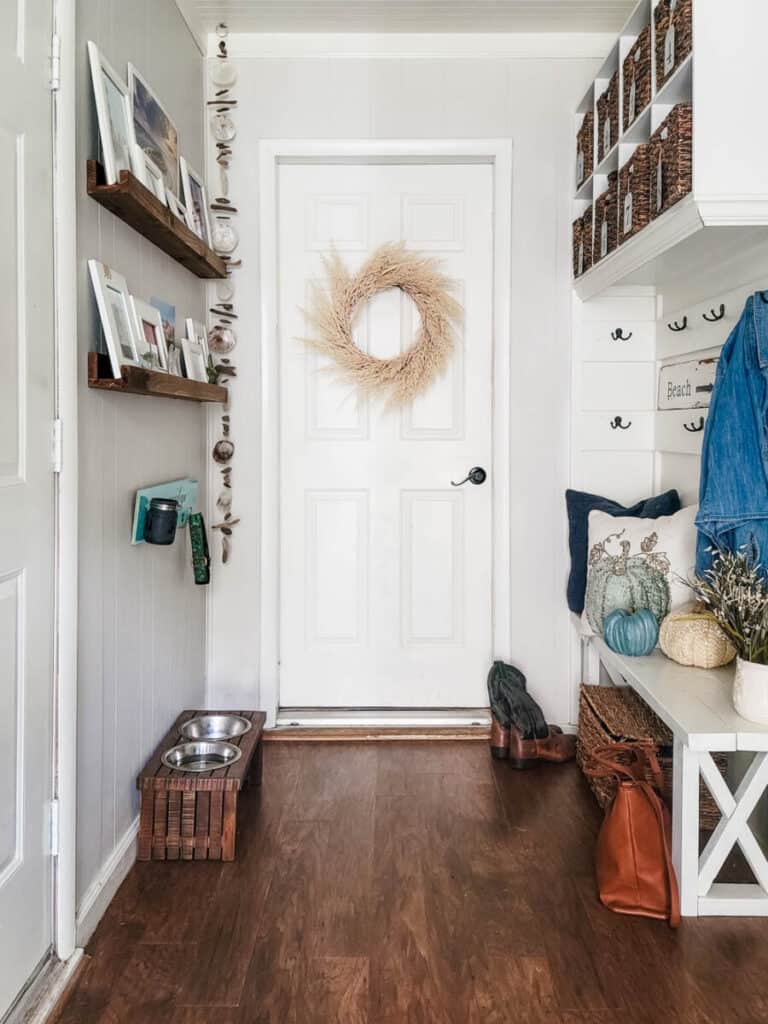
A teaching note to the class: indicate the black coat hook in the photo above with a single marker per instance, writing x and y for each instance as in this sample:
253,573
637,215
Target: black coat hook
617,424
678,327
619,335
692,428
712,317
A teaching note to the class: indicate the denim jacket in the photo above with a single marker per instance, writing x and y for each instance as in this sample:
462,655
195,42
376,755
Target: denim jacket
733,493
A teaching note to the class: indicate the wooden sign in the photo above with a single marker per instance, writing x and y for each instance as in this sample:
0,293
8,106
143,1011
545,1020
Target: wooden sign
687,385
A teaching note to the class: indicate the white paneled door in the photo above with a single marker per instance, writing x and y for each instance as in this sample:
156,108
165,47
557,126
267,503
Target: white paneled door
385,567
26,493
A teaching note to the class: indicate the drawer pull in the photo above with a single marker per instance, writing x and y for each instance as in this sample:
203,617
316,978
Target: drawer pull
678,327
712,317
692,428
617,424
619,335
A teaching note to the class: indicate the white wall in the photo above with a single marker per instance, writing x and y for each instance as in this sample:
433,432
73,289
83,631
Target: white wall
518,87
142,620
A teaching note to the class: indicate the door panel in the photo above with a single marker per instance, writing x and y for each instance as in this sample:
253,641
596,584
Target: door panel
386,575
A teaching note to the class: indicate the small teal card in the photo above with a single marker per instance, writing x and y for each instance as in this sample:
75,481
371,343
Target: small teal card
183,491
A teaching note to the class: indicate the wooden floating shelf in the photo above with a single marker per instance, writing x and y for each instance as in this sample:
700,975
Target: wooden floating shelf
133,203
134,380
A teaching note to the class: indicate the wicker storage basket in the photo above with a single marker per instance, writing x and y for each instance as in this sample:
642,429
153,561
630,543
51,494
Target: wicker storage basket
608,118
691,636
637,78
606,229
672,159
635,193
674,36
615,714
578,247
586,238
585,148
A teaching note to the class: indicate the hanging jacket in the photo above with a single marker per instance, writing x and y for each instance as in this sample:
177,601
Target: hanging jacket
733,492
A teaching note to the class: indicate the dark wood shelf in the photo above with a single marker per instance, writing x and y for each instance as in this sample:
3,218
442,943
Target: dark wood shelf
134,380
133,203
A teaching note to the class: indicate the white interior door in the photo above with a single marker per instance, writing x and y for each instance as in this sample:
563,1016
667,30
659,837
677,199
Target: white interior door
26,493
385,568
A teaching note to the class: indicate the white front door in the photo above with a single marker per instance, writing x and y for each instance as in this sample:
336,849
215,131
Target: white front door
385,568
26,493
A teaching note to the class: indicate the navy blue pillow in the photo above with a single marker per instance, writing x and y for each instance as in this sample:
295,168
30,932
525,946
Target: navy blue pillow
580,504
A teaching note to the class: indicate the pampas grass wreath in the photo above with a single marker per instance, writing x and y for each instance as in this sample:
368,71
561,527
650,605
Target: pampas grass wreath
334,309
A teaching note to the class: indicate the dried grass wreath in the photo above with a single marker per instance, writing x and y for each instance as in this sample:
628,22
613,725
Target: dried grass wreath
399,379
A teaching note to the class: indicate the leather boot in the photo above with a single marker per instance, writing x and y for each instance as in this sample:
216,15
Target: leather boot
499,741
556,747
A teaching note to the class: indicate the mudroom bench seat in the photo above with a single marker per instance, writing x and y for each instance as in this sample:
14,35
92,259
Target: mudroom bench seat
696,705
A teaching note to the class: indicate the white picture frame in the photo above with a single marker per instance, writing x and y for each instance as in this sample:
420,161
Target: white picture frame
149,174
194,360
153,128
175,205
113,302
195,199
150,336
113,113
196,331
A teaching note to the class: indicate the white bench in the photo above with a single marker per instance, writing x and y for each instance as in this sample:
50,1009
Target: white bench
696,705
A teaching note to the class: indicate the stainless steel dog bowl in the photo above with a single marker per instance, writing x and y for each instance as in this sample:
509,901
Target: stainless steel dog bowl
215,727
201,756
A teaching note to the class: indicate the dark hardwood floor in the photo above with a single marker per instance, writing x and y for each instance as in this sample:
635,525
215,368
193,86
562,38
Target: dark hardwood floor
407,884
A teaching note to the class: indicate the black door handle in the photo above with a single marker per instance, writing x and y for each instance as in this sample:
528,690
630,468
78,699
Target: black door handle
476,475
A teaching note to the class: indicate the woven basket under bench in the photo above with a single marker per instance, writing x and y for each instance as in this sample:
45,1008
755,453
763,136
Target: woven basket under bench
616,714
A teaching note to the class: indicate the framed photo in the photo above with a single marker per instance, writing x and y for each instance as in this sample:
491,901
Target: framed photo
154,130
177,208
194,360
149,174
196,201
148,325
113,112
197,332
114,307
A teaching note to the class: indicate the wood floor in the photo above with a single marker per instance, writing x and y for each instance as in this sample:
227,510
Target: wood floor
407,884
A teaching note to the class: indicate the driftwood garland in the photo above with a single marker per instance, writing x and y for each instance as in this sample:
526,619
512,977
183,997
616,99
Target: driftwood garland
400,379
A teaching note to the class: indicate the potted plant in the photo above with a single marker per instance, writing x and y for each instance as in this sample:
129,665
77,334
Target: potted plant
735,591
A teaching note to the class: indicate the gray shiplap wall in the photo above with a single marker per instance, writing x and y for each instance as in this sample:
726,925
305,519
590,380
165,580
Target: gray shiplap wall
142,620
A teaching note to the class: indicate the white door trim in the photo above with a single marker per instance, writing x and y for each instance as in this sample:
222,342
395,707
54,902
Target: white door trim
272,153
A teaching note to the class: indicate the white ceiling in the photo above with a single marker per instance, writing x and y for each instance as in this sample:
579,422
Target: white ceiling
406,15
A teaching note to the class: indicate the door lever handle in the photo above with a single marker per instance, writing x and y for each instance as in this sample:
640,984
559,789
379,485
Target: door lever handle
476,475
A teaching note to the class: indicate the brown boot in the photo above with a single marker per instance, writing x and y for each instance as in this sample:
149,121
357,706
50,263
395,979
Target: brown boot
522,753
556,747
499,741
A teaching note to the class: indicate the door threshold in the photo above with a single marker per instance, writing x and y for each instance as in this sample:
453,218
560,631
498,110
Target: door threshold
381,724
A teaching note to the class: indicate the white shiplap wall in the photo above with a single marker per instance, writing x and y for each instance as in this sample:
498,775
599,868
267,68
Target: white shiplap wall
142,620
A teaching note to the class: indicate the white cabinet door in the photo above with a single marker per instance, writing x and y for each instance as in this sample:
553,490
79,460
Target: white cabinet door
385,569
26,493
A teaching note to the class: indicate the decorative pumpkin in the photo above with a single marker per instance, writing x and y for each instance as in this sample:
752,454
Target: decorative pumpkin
620,581
631,633
692,636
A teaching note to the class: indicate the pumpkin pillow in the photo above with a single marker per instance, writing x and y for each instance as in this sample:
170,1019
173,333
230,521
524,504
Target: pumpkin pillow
638,563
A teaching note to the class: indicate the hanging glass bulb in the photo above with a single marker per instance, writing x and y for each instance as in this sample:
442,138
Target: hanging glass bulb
223,127
225,238
221,339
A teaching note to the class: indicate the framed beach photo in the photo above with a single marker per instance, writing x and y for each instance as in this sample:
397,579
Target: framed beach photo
153,129
149,174
148,326
113,112
194,360
197,332
114,307
196,201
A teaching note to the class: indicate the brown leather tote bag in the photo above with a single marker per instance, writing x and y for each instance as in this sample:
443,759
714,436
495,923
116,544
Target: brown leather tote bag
633,860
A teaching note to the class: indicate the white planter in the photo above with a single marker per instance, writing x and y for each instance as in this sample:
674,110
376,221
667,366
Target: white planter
750,691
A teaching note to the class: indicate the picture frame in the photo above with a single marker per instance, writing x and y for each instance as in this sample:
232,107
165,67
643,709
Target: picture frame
196,331
149,174
195,199
194,360
113,302
154,129
150,335
175,205
113,113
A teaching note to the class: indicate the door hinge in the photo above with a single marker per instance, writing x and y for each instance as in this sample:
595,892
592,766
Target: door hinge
55,58
54,829
57,445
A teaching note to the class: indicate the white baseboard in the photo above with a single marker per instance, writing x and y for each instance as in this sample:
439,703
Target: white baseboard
372,718
102,889
45,991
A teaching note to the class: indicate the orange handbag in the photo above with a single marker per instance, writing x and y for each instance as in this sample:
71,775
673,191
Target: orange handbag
633,859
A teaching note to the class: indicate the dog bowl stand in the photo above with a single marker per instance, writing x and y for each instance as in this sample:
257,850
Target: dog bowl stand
190,815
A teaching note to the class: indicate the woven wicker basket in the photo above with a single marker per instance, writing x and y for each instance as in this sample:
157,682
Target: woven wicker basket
691,636
671,148
585,148
608,117
637,78
615,714
677,15
578,247
635,193
606,229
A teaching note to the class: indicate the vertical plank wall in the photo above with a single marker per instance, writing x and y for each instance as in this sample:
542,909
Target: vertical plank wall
142,620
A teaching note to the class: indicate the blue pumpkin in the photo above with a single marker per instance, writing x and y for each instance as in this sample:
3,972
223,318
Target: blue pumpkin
631,633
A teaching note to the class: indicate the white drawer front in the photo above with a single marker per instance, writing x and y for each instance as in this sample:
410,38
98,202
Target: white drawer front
618,387
599,345
679,430
614,431
626,477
